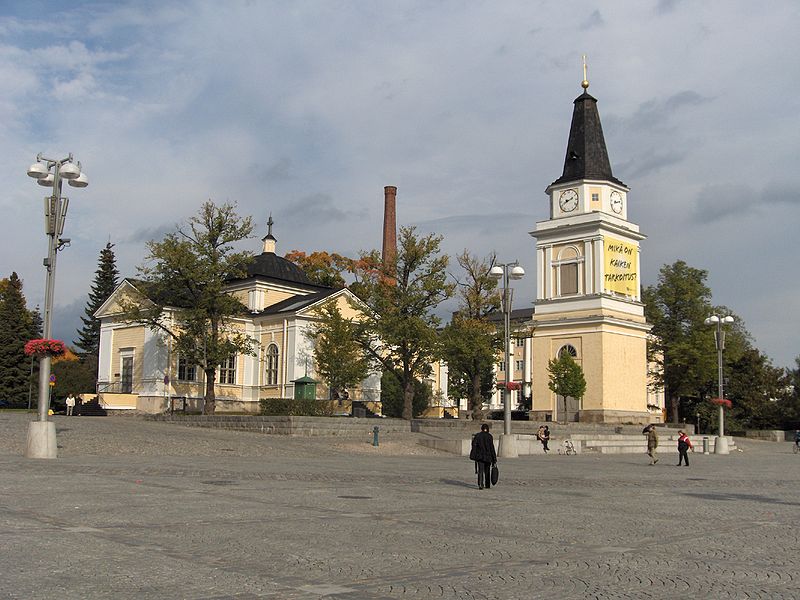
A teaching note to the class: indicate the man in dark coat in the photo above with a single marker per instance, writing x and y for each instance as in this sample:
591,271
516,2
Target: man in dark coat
484,455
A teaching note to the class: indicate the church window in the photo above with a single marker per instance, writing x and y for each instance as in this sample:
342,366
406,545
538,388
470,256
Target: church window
227,370
568,271
186,371
569,279
271,360
568,350
595,197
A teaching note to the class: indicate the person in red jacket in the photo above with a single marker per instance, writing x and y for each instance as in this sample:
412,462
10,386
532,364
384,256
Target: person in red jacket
684,444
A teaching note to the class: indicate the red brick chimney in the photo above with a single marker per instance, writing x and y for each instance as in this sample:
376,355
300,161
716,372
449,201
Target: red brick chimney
389,252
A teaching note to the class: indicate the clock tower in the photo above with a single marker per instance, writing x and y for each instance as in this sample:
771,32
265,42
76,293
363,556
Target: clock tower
588,301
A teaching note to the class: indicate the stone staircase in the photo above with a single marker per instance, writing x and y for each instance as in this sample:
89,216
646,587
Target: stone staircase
631,444
456,437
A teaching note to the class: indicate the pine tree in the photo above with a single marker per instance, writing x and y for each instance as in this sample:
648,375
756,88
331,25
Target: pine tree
105,282
16,327
37,324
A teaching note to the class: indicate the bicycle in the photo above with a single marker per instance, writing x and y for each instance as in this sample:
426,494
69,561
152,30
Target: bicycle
569,448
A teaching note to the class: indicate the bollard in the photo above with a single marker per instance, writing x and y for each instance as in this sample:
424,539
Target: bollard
375,436
705,445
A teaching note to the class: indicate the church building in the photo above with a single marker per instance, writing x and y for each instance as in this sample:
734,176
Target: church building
138,369
588,301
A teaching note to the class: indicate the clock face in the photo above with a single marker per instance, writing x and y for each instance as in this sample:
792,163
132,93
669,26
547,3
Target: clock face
568,200
616,202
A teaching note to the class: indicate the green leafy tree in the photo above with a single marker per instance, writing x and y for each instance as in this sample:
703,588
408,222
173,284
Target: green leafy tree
470,342
681,346
105,282
16,328
186,277
758,390
323,268
339,358
392,396
75,376
566,377
791,412
399,330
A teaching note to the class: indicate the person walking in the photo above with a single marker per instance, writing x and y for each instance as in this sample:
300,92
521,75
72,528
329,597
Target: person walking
70,404
684,444
484,455
652,442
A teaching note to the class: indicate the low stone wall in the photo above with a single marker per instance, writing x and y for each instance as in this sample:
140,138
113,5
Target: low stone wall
286,425
770,435
449,427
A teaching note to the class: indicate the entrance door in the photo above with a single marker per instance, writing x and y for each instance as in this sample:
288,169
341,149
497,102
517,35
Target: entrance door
569,409
126,375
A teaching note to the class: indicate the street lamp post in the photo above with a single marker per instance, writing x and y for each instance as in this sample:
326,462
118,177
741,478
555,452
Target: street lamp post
49,172
506,271
721,442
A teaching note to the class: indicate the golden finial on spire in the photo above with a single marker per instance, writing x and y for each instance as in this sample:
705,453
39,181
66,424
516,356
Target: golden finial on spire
585,82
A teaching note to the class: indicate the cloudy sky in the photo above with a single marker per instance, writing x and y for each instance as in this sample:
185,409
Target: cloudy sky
307,109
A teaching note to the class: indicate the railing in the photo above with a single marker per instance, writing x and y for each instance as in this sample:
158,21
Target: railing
119,387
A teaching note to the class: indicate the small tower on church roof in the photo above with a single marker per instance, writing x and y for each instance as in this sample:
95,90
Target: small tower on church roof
270,265
269,240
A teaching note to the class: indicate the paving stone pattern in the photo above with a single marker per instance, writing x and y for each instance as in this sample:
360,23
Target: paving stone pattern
137,509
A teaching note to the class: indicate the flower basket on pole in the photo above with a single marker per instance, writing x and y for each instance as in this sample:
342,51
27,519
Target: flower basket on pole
722,402
511,385
43,347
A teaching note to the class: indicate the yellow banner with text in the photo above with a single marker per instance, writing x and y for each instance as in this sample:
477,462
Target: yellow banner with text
619,265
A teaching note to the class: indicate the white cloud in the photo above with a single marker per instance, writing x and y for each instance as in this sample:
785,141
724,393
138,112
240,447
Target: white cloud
307,110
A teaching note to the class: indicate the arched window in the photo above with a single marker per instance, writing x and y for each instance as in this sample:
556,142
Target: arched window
568,270
271,373
569,350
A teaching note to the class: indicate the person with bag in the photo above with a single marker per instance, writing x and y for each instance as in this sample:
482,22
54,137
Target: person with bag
684,444
652,442
484,455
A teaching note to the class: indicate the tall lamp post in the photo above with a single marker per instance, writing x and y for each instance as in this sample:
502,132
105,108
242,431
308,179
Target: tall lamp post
506,271
721,442
50,173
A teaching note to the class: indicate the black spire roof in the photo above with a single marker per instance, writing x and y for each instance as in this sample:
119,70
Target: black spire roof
587,157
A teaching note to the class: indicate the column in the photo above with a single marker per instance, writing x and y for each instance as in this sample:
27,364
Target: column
540,270
526,365
588,268
598,266
548,273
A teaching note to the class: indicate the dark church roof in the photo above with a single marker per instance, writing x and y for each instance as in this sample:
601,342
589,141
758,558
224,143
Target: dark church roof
272,266
587,157
296,303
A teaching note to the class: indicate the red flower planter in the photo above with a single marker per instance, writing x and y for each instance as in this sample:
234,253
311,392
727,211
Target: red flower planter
43,347
722,402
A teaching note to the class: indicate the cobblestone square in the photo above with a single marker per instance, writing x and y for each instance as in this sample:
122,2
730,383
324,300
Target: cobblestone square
136,509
